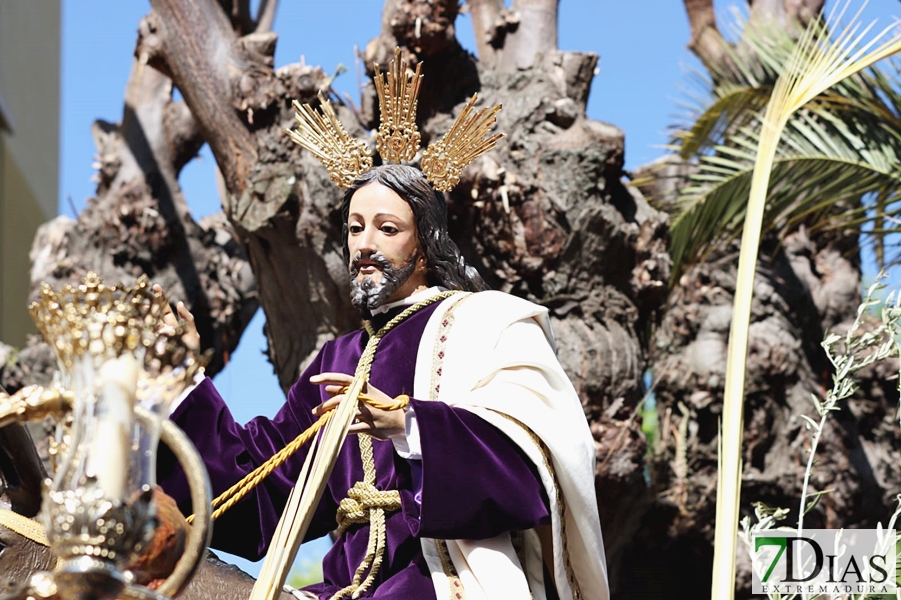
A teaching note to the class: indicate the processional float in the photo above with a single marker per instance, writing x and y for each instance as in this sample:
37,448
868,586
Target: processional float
118,371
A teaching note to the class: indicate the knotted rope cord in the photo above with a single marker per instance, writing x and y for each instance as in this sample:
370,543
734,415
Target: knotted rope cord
363,496
364,501
237,492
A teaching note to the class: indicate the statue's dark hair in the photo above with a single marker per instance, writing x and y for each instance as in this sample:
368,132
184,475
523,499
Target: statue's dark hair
446,266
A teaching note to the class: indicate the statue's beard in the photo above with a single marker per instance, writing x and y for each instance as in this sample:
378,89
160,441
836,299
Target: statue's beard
367,294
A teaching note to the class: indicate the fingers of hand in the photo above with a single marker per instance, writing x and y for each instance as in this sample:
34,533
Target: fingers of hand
378,423
340,379
364,413
167,309
378,395
170,320
359,427
192,337
364,420
334,389
184,313
328,405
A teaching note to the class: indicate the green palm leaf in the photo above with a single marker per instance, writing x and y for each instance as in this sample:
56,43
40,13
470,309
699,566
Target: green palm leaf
732,104
735,93
821,162
843,146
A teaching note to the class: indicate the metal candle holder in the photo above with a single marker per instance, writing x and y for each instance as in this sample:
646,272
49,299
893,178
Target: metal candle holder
119,370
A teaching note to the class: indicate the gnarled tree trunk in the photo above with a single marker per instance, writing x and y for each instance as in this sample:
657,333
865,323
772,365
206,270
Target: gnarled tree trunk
546,216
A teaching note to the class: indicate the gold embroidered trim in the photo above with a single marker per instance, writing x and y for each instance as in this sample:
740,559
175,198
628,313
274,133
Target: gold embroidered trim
27,528
24,526
561,504
447,322
453,578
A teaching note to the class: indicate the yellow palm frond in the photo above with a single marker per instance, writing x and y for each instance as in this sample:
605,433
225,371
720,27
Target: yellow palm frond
817,64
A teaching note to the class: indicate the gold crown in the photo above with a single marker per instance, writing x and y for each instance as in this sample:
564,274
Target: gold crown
346,158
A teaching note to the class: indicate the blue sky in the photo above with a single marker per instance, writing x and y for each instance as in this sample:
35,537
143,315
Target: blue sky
641,81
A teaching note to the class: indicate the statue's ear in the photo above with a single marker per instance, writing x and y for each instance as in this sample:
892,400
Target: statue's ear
21,470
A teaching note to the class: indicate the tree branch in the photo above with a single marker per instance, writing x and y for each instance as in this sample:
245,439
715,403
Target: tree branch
184,136
238,12
425,30
147,97
485,15
772,10
139,221
425,27
532,31
804,10
266,15
199,50
706,42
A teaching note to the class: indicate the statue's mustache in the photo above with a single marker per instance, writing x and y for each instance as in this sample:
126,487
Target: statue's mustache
376,257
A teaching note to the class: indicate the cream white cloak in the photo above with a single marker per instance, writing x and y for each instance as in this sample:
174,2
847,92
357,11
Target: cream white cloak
493,354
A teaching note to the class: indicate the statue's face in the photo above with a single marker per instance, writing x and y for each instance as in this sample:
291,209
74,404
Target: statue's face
385,260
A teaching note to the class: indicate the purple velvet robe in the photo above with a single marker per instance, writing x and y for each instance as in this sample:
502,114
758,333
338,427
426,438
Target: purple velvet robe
472,481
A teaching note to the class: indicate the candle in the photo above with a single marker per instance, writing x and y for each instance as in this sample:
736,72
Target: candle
110,447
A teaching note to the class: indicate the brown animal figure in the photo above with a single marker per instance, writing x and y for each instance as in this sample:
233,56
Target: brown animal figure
21,474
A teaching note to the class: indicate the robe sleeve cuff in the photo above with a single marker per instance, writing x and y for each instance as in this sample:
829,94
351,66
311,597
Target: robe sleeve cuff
409,446
198,379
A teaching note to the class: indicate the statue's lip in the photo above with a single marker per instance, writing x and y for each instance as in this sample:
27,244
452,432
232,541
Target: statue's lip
367,265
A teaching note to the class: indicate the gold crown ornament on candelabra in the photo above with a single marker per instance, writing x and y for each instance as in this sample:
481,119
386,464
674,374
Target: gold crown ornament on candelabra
119,369
398,138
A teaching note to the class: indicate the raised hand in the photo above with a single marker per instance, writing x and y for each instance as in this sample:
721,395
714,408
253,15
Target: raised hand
170,321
